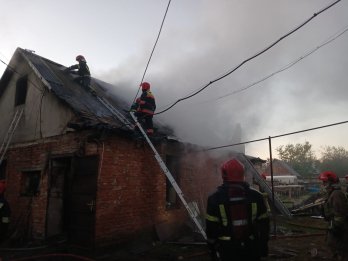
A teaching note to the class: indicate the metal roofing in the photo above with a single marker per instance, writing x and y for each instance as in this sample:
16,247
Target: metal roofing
87,106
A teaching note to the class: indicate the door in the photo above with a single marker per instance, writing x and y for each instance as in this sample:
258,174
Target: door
56,209
82,198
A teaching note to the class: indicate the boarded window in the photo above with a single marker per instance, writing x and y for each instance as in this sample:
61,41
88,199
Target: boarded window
21,90
30,183
171,196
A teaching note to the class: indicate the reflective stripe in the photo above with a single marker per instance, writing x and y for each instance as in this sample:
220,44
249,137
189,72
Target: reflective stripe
240,222
236,199
211,218
253,211
5,220
223,215
224,238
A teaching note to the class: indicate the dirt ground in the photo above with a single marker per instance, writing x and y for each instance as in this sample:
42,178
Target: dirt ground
301,238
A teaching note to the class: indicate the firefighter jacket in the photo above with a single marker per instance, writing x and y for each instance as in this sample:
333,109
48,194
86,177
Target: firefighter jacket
5,213
146,103
336,208
336,213
82,67
238,216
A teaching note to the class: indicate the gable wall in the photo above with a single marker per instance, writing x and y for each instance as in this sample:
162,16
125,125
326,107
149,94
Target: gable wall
44,115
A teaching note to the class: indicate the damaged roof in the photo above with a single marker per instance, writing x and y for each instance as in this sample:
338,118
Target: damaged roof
90,110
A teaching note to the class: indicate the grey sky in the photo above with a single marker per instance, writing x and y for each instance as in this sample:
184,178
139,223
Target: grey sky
200,41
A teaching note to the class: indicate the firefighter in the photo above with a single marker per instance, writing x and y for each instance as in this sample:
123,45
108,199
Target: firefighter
237,220
336,213
5,212
82,68
346,177
145,107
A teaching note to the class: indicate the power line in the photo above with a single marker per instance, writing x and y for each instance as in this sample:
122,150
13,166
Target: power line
288,66
250,58
20,75
277,136
153,49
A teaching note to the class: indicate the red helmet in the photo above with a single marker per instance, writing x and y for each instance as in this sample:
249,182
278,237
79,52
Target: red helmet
328,176
2,186
232,171
264,175
80,58
346,177
145,86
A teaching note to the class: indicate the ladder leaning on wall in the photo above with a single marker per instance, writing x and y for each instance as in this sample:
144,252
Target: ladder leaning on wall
9,134
171,179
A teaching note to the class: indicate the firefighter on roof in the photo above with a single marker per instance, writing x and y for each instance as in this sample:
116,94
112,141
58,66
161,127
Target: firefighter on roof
5,211
145,107
237,220
82,68
336,213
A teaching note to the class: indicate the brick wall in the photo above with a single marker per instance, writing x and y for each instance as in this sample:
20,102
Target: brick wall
131,188
32,157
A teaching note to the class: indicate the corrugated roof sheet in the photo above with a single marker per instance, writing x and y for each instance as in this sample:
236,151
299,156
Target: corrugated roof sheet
81,101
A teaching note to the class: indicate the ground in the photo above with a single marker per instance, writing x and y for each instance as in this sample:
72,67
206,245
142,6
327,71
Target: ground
301,238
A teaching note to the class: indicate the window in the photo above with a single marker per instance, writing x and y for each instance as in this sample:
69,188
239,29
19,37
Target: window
171,196
21,90
30,183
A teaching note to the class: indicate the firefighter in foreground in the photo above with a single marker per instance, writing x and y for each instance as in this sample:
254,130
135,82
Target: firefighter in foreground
237,220
336,213
82,68
144,108
4,212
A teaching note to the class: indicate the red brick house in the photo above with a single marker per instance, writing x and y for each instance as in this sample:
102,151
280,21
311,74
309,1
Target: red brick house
74,169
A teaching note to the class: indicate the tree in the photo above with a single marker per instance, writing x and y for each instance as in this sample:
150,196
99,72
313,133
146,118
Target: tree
299,156
334,159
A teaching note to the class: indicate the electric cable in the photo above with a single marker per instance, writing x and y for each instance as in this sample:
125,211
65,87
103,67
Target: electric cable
20,75
250,58
277,136
284,68
153,49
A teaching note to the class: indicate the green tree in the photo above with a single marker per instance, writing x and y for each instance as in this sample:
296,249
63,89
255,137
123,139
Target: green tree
334,159
299,156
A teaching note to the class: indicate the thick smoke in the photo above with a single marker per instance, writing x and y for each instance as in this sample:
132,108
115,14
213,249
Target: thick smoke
311,93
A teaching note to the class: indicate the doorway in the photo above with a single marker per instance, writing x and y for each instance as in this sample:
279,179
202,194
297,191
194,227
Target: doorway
71,199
